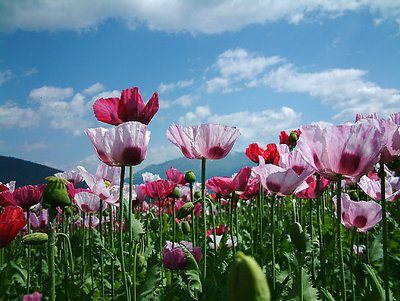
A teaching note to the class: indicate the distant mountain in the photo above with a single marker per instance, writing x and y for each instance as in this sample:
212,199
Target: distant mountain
23,172
225,167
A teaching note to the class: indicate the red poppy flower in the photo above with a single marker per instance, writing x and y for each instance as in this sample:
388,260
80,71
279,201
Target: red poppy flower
159,189
270,154
130,107
12,221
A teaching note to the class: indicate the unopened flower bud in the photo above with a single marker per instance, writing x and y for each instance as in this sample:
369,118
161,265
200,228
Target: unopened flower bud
293,137
55,194
190,177
185,210
298,237
185,227
247,281
35,238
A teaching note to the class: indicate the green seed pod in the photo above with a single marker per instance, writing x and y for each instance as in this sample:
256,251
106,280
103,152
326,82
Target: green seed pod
185,227
55,194
298,237
35,238
141,262
247,281
176,193
354,195
190,177
185,210
154,224
197,195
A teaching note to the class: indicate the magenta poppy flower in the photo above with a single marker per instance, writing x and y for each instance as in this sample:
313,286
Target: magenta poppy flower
28,196
12,221
311,191
123,145
130,107
252,188
226,185
6,196
209,141
174,258
160,189
175,176
361,215
36,296
349,151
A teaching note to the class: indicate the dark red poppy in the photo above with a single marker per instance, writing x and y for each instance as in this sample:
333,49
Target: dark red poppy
159,189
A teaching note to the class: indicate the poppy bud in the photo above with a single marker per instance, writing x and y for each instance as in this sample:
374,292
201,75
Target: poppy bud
247,281
298,237
185,210
176,193
185,227
36,238
190,177
354,195
154,224
56,194
293,137
197,195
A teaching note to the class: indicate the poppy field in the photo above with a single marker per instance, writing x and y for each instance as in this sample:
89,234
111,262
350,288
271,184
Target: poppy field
314,217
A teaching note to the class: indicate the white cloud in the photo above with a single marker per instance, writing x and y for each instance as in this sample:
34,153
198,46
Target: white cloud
94,89
198,116
14,116
260,126
164,88
30,72
50,94
179,15
344,89
40,145
5,76
182,101
236,65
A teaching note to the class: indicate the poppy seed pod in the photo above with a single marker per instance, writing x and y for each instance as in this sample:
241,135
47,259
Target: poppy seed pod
293,137
190,177
176,193
247,281
185,227
56,194
185,210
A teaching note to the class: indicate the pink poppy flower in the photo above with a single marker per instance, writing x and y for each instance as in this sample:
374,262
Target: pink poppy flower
36,296
226,185
349,151
209,141
89,202
252,188
280,180
39,220
7,197
176,176
130,107
12,221
174,258
123,145
373,189
361,215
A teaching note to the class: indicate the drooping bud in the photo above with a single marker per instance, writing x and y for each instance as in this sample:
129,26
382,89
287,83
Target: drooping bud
154,224
190,177
247,281
176,193
35,238
298,237
56,194
185,227
185,210
293,137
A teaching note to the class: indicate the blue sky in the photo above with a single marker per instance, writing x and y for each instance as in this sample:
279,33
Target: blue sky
263,66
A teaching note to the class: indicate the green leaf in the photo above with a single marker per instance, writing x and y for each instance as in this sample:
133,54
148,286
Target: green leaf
377,289
326,295
193,274
137,229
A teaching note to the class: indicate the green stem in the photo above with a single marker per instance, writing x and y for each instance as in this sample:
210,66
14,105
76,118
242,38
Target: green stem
121,231
320,236
192,217
312,239
203,200
353,235
385,232
273,243
111,229
51,251
339,231
28,278
70,257
91,249
130,209
101,253
83,246
301,285
134,271
231,224
173,222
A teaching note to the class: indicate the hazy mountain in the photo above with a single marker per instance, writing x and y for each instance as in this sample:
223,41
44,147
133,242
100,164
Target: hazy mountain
23,172
225,167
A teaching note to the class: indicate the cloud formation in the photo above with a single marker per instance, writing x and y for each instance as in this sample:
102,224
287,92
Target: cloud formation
208,17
